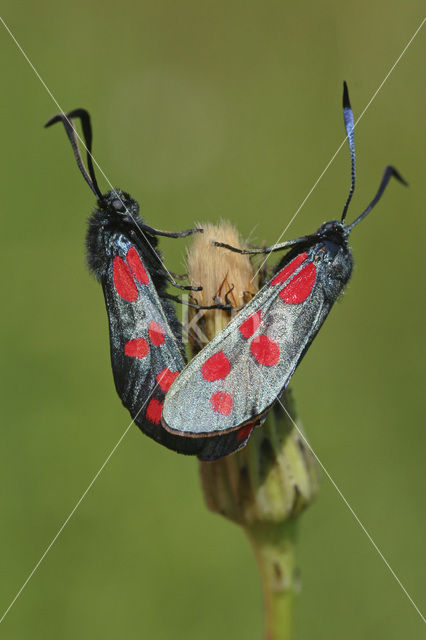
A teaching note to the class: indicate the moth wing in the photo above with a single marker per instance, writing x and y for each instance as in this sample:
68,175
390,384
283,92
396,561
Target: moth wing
147,355
215,447
236,378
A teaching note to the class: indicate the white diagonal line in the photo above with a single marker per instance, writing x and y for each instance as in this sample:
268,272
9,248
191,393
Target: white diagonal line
352,511
342,143
64,524
83,144
74,509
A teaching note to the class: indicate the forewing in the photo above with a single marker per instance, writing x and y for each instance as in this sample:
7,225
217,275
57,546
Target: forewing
235,379
146,355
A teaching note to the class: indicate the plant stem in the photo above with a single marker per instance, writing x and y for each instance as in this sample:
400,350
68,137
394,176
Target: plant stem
273,546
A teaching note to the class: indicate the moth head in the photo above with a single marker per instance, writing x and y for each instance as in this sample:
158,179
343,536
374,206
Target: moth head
335,231
119,205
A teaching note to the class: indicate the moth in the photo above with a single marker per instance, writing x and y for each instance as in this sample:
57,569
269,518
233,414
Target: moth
146,346
234,381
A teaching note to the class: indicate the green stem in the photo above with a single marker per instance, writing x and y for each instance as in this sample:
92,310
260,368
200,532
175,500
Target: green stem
273,547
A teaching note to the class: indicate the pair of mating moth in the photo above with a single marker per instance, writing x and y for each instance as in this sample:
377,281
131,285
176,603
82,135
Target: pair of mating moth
210,406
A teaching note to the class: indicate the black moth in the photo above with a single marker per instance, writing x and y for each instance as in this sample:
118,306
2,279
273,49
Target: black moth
145,336
233,382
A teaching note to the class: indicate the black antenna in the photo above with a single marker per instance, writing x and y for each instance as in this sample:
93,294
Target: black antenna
84,117
348,117
388,173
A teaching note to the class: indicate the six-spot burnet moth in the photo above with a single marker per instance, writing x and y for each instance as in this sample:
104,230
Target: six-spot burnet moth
233,382
145,336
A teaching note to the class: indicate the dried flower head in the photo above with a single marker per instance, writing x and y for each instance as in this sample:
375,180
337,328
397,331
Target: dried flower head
224,275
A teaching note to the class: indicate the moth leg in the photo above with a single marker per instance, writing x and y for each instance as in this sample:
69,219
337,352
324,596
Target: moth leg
228,305
217,305
171,234
274,247
254,246
227,300
183,287
178,276
164,272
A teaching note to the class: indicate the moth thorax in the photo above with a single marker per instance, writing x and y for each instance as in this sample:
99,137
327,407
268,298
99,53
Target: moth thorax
224,275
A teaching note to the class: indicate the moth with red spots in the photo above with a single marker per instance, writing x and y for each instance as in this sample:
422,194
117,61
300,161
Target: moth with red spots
233,382
146,346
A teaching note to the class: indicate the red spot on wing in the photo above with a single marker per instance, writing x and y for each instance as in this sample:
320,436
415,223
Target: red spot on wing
153,411
300,287
216,367
165,379
250,325
156,333
123,281
221,402
289,269
135,264
244,432
265,350
136,348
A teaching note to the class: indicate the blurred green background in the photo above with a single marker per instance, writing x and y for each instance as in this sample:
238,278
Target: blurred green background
206,111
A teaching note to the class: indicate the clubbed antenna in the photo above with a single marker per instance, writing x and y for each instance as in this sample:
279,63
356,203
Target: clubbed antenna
388,173
66,119
348,117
